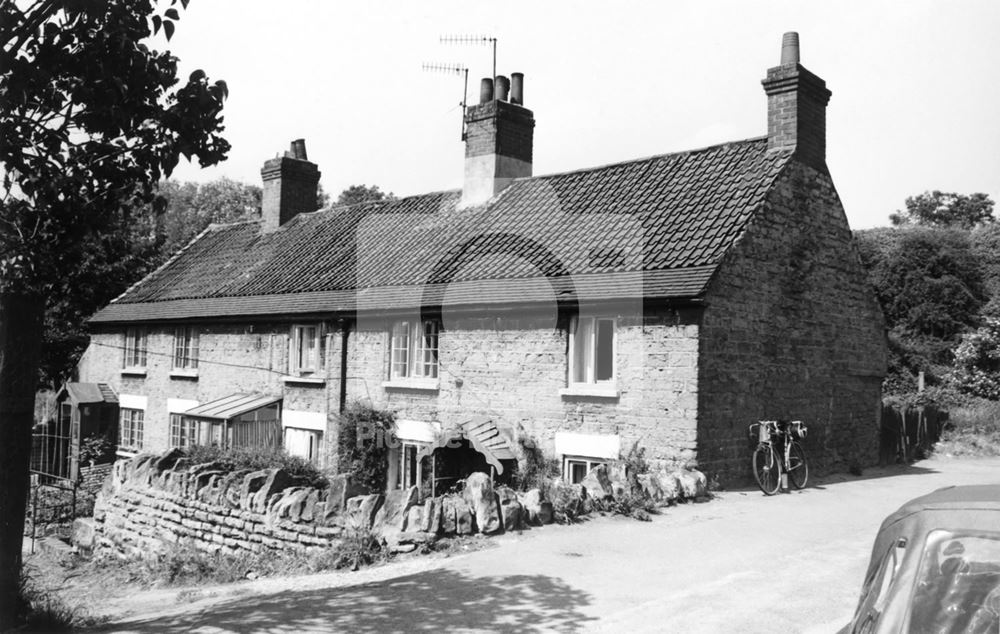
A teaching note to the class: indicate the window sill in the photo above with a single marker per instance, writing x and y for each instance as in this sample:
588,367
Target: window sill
123,452
137,372
180,373
592,390
424,385
303,380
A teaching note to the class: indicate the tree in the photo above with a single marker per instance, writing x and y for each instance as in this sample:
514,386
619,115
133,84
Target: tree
92,119
362,193
941,209
188,209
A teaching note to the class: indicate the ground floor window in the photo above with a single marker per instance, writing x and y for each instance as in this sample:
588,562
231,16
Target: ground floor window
183,431
130,429
576,468
409,466
304,443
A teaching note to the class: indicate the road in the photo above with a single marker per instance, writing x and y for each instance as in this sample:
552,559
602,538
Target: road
740,563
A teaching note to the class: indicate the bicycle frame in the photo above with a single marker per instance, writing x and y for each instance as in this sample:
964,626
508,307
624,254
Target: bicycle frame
777,439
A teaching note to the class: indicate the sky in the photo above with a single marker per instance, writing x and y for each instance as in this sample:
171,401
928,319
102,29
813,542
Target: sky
915,105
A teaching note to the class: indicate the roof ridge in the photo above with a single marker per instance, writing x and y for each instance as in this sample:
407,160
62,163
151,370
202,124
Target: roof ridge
336,207
642,159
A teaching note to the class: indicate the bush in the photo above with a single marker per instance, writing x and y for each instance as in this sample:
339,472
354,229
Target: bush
257,458
977,362
42,610
973,430
535,469
363,444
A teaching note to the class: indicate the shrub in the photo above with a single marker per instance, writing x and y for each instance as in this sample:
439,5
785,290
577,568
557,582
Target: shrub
97,448
973,430
42,610
535,469
363,444
257,458
977,362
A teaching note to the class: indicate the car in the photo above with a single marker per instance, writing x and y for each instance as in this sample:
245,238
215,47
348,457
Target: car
935,566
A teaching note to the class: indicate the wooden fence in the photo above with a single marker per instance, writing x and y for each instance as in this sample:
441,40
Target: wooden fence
909,433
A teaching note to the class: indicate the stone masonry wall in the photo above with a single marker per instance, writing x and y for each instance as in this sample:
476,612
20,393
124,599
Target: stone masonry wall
512,369
233,359
792,330
151,502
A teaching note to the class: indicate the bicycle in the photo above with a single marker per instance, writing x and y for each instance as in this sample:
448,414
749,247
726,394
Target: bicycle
779,453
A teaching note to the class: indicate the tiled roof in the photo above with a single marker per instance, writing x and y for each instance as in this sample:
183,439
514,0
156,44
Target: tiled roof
90,392
654,227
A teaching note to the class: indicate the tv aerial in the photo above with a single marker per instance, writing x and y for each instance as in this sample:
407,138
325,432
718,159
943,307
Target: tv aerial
453,69
481,40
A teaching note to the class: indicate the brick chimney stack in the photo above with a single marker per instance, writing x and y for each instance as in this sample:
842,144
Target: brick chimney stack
796,107
291,184
498,139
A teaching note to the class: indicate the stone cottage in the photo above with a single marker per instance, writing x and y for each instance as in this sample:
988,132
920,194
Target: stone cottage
663,303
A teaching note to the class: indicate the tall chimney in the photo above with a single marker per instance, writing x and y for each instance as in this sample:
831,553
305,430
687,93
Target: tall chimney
796,107
290,186
498,141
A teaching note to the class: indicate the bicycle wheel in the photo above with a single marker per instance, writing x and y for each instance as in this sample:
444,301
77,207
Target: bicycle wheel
798,468
766,469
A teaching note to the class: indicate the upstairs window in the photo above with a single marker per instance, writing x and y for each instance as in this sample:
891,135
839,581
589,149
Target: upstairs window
592,350
130,429
308,349
415,349
186,348
135,348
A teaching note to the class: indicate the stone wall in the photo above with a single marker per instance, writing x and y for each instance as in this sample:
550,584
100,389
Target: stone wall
792,330
92,477
150,501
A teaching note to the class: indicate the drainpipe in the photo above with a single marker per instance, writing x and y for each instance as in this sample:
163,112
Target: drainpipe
345,330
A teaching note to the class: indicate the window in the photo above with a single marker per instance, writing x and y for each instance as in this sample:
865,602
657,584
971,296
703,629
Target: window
186,348
304,443
576,468
409,466
592,350
415,349
308,349
183,431
135,348
130,429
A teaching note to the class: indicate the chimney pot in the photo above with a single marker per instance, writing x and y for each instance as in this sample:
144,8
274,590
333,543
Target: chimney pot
790,48
297,150
502,87
486,90
517,88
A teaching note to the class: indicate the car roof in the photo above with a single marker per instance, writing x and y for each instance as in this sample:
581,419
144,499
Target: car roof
978,496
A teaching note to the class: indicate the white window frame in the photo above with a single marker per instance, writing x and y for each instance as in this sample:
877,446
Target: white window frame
414,349
306,362
134,350
186,348
131,427
315,441
588,461
590,369
405,459
183,430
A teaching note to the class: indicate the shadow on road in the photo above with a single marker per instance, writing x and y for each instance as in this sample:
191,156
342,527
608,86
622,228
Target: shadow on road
873,473
436,600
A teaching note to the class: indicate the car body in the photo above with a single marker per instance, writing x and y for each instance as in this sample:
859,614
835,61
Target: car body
935,566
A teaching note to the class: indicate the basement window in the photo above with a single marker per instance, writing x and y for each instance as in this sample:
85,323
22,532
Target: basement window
592,350
576,468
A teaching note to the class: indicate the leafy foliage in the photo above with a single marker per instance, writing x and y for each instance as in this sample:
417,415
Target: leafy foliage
945,209
977,362
362,193
363,444
257,458
535,470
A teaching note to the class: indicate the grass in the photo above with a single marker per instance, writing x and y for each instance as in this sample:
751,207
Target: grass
973,430
43,610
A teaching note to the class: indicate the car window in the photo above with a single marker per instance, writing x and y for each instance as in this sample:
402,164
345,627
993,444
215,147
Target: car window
876,588
958,583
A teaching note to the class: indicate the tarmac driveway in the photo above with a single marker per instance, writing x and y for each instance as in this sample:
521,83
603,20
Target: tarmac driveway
741,563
